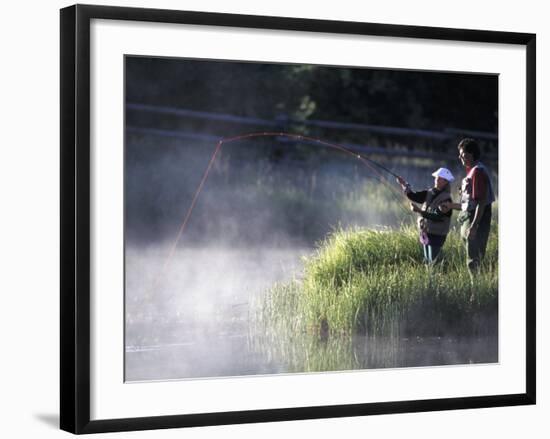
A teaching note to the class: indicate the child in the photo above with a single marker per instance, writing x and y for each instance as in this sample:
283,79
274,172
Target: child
434,217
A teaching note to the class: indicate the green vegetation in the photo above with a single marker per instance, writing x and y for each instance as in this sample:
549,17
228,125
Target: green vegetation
373,282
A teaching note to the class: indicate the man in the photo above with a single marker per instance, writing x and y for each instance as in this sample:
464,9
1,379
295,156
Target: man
477,195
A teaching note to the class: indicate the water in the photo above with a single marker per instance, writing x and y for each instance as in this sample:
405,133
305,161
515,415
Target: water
179,361
364,352
193,319
197,322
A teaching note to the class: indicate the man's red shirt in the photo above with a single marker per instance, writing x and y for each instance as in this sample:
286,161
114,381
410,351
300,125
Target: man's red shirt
480,183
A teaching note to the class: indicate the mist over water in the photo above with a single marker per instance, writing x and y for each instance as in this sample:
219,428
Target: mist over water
199,311
190,315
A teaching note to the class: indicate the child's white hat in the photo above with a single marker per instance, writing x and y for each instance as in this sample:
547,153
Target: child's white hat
444,173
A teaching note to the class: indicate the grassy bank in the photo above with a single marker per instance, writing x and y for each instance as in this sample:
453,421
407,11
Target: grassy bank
374,282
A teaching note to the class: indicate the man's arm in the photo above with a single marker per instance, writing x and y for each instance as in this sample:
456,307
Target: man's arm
479,194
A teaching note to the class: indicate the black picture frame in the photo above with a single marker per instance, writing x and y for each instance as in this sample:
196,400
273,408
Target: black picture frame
75,218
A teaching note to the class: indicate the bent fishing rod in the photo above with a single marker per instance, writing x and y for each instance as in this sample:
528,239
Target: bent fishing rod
371,164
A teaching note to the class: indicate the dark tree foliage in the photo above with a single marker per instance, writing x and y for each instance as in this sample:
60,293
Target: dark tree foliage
435,101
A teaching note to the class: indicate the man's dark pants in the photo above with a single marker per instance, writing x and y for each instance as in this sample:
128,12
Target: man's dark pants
475,248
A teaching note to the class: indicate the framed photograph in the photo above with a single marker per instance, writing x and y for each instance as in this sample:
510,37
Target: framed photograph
273,218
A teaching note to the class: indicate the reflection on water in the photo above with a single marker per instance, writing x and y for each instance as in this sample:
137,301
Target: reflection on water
310,354
198,323
304,354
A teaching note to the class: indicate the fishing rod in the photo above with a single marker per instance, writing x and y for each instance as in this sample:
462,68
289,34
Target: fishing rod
310,139
397,194
379,165
362,158
365,160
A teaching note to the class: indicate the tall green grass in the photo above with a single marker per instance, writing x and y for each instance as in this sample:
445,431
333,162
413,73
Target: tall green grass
374,282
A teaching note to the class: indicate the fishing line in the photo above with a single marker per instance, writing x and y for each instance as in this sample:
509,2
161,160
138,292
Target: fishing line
371,164
190,210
